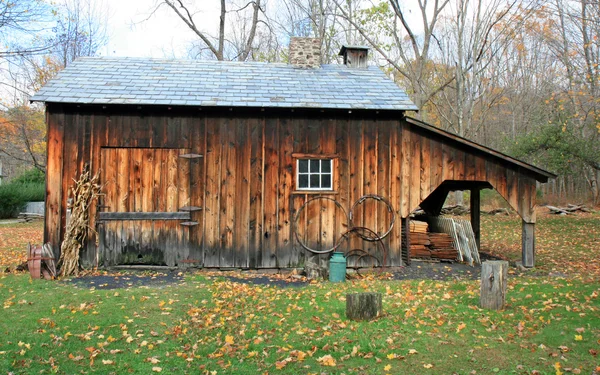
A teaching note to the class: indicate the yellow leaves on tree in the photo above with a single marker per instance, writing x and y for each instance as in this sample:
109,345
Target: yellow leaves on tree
23,134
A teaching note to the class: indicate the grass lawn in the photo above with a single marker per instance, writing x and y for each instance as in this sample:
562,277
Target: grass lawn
209,325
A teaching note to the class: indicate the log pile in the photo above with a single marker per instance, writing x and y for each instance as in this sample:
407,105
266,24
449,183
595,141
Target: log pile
569,210
27,217
428,245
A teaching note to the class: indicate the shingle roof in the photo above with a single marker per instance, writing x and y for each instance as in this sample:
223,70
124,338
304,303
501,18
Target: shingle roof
117,80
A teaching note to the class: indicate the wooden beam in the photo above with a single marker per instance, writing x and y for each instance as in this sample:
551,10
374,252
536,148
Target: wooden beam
144,216
528,237
476,215
432,205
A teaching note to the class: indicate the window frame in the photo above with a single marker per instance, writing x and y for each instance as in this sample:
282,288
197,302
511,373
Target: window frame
322,159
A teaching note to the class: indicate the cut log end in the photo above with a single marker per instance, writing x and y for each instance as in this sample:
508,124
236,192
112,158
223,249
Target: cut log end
364,306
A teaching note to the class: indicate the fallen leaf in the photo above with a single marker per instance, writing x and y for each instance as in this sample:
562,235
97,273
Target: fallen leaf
156,369
428,365
327,360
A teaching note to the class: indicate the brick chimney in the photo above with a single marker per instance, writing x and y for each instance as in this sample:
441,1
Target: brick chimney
305,52
355,56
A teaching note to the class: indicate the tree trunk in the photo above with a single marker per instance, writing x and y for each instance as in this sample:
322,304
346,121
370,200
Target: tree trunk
363,306
493,284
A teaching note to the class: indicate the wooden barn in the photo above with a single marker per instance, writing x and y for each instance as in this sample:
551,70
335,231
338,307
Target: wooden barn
246,165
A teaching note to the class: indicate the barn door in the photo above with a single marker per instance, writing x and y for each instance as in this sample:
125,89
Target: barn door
147,191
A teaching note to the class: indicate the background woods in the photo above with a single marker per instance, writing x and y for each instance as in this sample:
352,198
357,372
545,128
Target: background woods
516,75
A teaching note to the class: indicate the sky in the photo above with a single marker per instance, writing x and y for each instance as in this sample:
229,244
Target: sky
136,32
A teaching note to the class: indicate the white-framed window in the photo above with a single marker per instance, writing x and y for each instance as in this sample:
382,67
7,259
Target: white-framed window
314,174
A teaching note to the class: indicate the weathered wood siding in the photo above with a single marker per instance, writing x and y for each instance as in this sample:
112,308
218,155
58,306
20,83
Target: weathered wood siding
245,181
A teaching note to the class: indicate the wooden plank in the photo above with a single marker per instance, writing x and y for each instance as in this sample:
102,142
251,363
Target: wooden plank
436,164
159,180
110,159
197,183
480,172
395,246
415,171
459,165
183,181
144,216
383,184
212,195
405,167
54,171
297,199
271,184
447,162
242,193
470,168
120,184
342,182
227,192
425,186
256,189
356,163
172,195
328,209
286,186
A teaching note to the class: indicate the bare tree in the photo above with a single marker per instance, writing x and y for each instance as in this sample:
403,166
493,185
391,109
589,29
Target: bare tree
80,30
221,46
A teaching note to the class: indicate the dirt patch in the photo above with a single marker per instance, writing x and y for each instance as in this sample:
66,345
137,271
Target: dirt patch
128,280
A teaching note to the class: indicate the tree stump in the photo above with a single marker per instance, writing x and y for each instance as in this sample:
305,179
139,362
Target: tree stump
363,306
493,284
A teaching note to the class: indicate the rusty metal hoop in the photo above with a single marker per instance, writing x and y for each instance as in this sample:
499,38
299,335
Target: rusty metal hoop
374,238
390,210
297,216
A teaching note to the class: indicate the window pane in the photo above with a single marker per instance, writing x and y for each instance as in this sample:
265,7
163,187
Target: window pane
326,166
314,166
326,181
303,166
303,181
314,181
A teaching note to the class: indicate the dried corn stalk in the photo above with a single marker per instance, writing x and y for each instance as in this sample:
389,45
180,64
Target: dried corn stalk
85,191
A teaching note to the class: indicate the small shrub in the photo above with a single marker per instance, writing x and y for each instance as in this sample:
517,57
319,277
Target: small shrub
30,176
14,197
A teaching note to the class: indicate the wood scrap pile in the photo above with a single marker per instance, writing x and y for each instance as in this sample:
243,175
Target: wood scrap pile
428,245
26,217
499,211
442,246
457,210
569,210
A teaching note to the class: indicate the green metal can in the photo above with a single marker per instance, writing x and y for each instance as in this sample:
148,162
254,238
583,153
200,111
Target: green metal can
337,267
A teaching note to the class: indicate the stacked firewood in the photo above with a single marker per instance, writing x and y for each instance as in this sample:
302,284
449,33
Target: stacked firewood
427,245
419,239
442,246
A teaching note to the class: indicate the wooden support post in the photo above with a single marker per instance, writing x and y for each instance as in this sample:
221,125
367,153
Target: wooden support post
528,237
493,284
363,306
476,215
